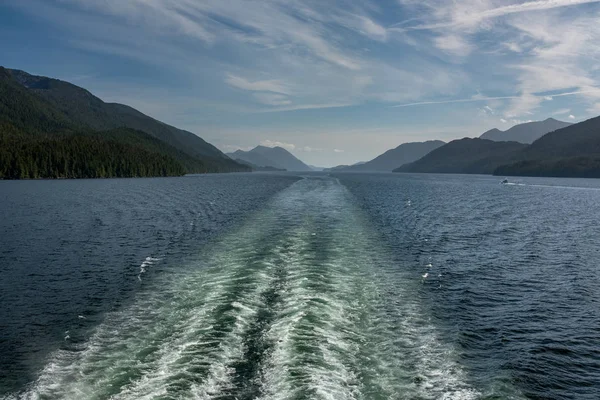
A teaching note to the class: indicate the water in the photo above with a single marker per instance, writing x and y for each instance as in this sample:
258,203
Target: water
352,286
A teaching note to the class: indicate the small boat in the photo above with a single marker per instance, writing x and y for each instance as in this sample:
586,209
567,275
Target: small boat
504,181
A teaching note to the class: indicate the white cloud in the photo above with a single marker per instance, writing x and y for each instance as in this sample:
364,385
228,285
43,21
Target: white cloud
338,151
316,53
522,105
276,143
453,44
571,116
373,29
472,13
503,120
230,148
554,45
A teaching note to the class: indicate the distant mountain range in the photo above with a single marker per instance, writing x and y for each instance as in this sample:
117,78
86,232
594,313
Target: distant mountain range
403,154
570,152
525,133
465,156
274,157
54,129
481,155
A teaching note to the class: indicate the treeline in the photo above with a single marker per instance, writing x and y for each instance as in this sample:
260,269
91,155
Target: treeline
79,156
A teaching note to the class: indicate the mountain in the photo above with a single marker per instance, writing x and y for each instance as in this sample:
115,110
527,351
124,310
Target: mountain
466,156
282,158
342,167
573,151
525,133
252,158
257,167
277,157
39,141
394,158
57,106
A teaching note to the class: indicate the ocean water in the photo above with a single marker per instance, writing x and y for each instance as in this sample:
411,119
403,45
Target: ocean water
275,286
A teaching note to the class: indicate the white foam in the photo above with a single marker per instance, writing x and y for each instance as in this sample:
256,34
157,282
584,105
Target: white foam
147,263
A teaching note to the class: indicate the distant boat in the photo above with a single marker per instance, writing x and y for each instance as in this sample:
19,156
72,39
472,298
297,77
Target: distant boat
504,181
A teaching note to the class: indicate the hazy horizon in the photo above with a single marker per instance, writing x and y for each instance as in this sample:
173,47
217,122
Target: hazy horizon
334,83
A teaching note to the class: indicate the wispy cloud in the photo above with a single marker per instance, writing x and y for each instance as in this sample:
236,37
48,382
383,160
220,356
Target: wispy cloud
272,85
470,13
468,100
562,111
528,101
454,44
273,99
306,107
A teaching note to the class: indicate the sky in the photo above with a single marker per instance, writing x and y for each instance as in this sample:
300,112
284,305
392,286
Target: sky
333,81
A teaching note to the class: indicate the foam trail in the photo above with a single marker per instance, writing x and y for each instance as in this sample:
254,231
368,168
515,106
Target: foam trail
272,311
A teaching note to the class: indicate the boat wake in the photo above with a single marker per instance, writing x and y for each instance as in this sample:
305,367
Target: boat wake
300,302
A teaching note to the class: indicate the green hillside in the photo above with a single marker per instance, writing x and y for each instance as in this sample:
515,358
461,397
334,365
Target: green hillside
80,155
52,129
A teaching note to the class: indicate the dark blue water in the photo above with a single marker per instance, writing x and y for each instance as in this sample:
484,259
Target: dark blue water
366,286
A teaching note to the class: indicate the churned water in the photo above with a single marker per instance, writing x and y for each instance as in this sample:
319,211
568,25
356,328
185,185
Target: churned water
349,286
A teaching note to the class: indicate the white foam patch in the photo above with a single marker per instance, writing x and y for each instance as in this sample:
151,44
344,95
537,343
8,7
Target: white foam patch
146,264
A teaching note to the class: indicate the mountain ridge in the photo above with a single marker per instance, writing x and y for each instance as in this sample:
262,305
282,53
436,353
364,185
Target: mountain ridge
525,133
573,151
276,157
46,114
85,109
465,156
398,156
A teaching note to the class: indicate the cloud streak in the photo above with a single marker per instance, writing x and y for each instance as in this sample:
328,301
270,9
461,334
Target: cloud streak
471,13
273,85
484,98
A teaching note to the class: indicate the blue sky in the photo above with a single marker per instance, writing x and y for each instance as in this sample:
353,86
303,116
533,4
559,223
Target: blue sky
334,81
